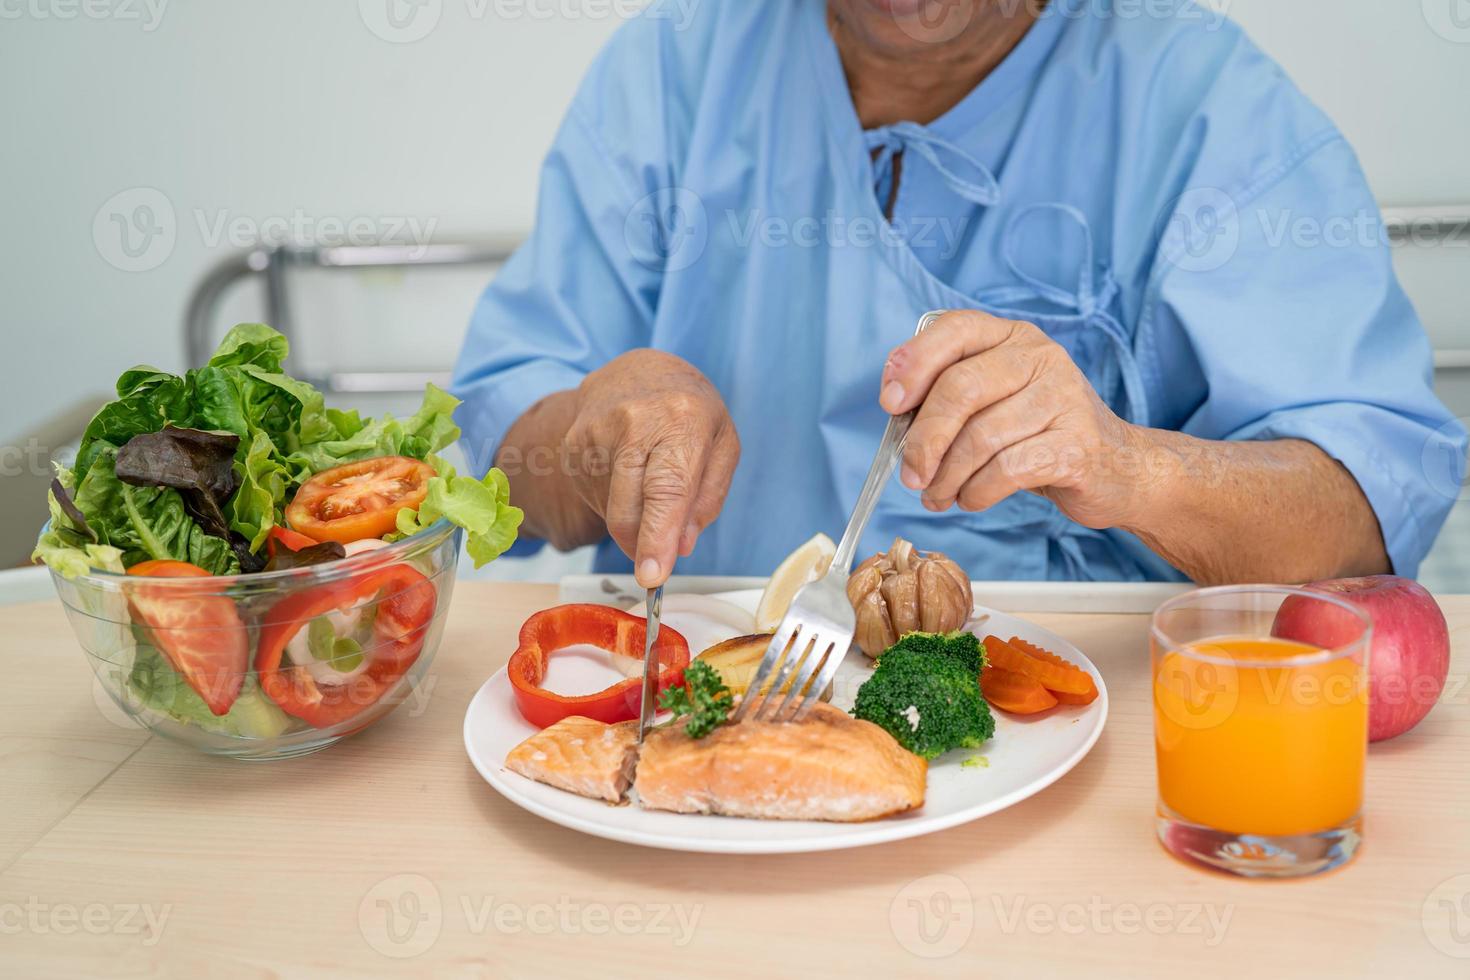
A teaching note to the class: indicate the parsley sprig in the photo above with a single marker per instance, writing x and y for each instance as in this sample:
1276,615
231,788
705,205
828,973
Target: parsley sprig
704,698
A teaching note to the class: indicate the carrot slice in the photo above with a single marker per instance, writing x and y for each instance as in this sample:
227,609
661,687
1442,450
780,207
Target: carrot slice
1056,674
1012,691
1064,697
1007,657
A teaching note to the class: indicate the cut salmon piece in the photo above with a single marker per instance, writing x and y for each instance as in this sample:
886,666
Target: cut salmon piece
580,755
829,766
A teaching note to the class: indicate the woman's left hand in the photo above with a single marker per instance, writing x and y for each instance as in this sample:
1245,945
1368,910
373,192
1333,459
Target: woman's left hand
1002,408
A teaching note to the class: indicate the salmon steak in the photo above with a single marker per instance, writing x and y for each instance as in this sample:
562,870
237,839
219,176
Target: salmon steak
828,766
580,755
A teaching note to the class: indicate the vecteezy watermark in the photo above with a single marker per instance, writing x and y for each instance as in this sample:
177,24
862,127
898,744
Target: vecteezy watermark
1443,460
300,227
93,918
148,13
1364,228
404,915
1450,19
834,230
126,690
933,917
667,230
1446,917
1201,230
939,21
407,21
136,230
1098,916
32,459
401,916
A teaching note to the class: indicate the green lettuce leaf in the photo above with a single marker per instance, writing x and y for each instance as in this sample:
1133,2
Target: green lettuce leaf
263,482
147,522
158,686
481,507
427,431
286,434
148,399
64,546
252,343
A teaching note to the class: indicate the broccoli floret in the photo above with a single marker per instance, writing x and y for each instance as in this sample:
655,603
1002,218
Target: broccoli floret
964,648
929,704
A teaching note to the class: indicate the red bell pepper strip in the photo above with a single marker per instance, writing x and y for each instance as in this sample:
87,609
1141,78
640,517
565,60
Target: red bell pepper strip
601,626
405,608
284,536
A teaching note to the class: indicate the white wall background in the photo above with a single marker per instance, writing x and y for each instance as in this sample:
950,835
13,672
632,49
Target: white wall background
225,115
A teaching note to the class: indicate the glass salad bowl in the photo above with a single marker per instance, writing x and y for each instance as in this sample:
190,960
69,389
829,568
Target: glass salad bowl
269,665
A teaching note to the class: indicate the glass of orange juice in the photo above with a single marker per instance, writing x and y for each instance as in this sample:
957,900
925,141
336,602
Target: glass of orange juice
1261,738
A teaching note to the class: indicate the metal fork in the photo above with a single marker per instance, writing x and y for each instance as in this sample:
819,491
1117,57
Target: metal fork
818,628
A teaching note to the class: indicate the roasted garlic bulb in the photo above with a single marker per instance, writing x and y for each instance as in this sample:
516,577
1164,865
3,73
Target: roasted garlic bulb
905,589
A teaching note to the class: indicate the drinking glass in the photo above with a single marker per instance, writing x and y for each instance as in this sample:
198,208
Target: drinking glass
1260,728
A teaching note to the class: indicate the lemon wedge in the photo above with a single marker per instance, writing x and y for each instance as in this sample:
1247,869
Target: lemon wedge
806,564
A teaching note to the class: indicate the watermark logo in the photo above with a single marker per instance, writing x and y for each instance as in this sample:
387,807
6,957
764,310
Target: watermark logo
933,917
1443,460
40,918
1194,695
300,227
115,697
149,13
568,917
934,21
135,229
1446,917
402,916
834,230
400,21
32,459
1201,230
1450,19
667,230
407,21
1097,916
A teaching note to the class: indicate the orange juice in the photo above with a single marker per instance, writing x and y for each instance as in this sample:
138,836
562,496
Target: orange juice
1251,748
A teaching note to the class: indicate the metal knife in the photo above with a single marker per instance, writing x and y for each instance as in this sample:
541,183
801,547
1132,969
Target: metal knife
647,707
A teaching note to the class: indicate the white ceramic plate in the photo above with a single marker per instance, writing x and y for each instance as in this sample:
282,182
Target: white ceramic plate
1024,757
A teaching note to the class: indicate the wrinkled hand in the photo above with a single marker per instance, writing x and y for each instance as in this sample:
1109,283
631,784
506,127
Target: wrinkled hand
1003,408
657,451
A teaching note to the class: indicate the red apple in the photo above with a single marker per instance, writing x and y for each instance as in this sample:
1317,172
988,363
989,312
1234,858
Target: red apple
1410,658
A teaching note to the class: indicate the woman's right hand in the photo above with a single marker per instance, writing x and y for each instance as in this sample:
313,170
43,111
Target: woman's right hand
654,450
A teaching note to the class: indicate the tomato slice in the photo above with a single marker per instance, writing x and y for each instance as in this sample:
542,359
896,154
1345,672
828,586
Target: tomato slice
359,500
287,538
201,635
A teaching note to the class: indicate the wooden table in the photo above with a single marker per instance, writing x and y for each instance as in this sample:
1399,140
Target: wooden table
123,854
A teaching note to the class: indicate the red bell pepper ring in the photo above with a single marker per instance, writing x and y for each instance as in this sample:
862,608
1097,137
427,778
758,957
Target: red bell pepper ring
601,626
405,608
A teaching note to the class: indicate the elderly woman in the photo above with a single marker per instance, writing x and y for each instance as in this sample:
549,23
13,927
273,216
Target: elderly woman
1146,370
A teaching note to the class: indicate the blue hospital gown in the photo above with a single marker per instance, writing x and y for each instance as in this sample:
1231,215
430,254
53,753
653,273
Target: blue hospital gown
1144,188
